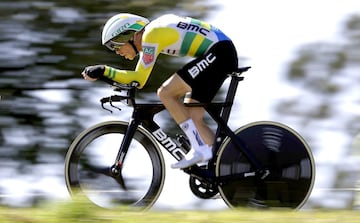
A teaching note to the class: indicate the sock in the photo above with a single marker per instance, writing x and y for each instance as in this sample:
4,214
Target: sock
191,132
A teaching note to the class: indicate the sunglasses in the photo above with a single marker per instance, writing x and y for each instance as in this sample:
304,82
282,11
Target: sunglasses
119,40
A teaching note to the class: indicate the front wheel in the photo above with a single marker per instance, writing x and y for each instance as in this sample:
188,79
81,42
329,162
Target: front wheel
280,150
89,160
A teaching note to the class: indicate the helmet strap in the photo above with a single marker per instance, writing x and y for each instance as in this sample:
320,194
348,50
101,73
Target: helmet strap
133,46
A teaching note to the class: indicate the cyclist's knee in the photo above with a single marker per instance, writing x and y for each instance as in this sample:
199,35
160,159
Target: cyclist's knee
159,91
163,92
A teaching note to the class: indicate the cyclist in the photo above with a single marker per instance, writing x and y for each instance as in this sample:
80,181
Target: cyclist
214,57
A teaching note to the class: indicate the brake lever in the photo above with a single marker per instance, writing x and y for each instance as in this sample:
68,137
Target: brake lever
103,107
109,100
111,104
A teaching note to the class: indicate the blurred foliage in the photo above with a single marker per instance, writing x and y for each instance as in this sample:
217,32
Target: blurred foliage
328,74
328,71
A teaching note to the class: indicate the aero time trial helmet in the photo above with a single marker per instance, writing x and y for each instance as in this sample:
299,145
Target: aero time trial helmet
120,28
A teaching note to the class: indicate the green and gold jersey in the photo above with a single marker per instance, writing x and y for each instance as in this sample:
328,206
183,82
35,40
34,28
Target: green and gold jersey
172,35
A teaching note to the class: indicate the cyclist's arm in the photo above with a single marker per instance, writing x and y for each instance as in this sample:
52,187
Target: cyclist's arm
153,43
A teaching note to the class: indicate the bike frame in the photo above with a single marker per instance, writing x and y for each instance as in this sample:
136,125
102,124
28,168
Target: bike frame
143,114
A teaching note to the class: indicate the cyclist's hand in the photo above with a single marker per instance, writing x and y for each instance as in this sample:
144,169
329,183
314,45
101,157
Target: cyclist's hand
93,72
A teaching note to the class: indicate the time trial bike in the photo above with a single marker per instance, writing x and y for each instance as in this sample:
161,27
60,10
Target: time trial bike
262,164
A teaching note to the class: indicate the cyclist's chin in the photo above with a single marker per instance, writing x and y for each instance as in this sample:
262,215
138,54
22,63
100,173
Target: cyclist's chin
129,57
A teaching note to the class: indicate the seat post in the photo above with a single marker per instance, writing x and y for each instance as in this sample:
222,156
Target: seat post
229,99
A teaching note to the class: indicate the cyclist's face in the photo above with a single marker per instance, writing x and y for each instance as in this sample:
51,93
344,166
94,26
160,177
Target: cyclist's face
126,51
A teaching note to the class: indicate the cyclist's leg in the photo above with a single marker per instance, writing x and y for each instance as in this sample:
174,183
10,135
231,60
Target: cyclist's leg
197,115
205,76
170,94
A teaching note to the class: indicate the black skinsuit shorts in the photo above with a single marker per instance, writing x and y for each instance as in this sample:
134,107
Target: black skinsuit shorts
206,74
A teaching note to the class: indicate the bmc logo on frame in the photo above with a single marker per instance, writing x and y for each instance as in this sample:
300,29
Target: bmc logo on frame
201,65
169,145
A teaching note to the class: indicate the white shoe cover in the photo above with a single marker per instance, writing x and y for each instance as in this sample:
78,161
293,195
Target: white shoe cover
202,154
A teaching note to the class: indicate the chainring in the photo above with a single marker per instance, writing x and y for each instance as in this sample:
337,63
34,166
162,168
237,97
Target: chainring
202,189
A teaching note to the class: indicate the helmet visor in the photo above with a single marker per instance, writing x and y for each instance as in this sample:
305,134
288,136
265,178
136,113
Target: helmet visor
119,40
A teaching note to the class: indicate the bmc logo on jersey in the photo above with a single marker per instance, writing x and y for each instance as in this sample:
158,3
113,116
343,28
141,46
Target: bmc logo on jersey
148,55
193,28
201,65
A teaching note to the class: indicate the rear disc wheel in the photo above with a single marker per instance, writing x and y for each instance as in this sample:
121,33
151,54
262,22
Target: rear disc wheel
279,149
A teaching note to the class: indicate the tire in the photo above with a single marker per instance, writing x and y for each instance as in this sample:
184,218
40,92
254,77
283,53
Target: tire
96,148
278,148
